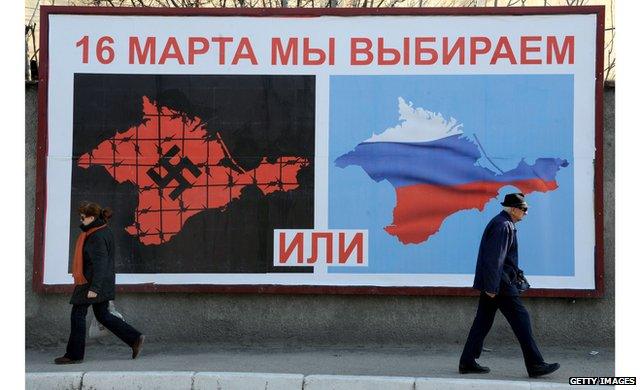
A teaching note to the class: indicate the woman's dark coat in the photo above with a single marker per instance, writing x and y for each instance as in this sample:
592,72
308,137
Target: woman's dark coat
98,266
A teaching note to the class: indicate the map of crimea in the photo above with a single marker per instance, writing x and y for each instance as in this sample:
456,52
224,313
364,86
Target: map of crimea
434,169
181,169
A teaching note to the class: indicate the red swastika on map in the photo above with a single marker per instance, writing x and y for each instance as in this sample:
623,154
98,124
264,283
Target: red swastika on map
181,170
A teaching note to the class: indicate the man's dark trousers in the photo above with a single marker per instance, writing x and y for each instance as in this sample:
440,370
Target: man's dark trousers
517,316
75,346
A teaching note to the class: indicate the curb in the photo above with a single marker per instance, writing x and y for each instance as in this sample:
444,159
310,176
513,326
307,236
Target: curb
188,380
53,380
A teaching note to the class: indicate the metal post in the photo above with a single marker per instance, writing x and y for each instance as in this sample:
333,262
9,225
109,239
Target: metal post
26,52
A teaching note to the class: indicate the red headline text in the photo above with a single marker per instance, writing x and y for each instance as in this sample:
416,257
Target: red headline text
362,51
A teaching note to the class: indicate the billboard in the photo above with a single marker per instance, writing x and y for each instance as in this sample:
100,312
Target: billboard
346,151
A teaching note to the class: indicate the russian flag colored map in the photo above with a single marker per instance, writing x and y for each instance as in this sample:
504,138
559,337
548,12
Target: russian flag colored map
423,161
433,167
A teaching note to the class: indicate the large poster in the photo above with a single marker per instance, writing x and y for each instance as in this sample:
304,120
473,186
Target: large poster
195,167
338,153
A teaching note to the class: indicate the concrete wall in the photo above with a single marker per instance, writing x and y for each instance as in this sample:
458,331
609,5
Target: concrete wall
329,319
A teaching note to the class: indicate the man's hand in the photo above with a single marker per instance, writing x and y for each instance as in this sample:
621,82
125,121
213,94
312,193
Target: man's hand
491,295
91,294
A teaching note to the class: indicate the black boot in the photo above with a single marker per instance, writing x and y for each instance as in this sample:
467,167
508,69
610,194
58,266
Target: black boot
472,368
137,347
542,369
66,360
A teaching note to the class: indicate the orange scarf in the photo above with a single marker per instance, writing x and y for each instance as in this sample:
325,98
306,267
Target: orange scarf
78,275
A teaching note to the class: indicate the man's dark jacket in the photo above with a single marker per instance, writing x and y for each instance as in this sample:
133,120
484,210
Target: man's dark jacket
497,264
98,266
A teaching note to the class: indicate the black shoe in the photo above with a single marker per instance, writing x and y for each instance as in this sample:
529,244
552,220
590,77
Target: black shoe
542,369
66,360
473,368
137,347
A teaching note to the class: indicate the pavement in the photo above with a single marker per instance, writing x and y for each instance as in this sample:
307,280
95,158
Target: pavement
111,359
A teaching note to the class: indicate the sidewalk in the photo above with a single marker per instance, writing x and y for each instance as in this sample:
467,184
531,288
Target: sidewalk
410,362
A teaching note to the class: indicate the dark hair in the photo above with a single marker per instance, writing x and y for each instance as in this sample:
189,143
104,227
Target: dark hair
92,209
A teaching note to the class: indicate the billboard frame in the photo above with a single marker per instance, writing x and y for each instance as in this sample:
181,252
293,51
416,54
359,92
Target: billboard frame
42,142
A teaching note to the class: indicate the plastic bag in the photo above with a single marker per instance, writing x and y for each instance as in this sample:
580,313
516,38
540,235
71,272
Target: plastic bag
96,329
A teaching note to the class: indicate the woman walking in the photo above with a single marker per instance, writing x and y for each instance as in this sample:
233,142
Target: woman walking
94,279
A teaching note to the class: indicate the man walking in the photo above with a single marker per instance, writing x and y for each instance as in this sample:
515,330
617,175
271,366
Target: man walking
496,272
